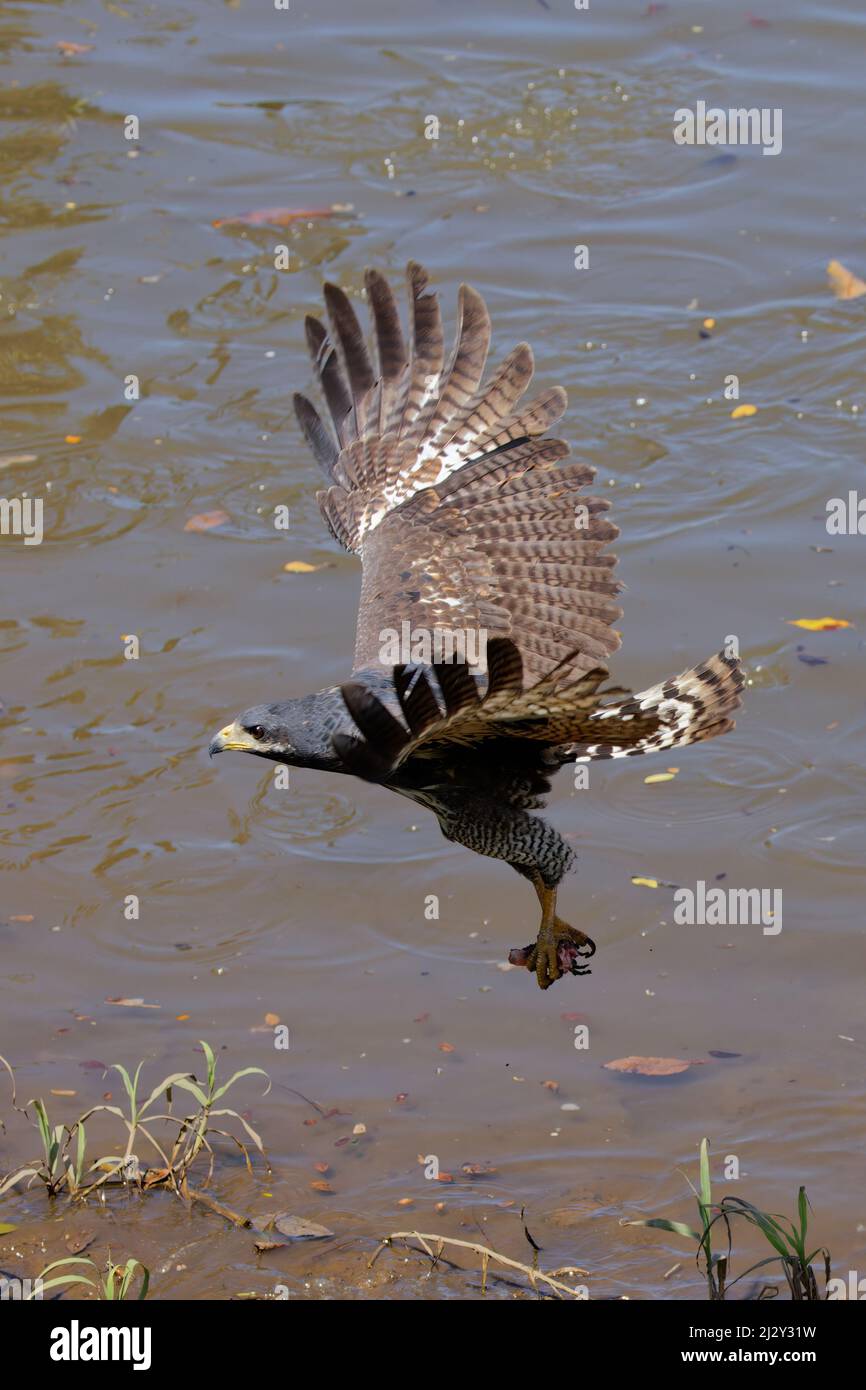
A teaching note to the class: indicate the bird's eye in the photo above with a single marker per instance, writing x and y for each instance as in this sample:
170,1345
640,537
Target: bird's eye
257,732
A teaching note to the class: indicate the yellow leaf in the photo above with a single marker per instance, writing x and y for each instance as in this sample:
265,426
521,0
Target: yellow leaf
300,567
843,282
818,624
660,777
73,439
709,323
645,882
741,411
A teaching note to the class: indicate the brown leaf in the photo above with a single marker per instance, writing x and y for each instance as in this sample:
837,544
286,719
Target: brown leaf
206,521
133,1003
446,1047
68,47
298,1228
651,1066
7,460
843,282
319,1185
272,217
322,1167
272,1019
76,1241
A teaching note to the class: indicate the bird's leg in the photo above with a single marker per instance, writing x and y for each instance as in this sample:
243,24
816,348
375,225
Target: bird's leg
558,948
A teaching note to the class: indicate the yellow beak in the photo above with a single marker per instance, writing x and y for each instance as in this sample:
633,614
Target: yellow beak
232,739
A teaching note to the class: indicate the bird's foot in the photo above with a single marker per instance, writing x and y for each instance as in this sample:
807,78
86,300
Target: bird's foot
558,950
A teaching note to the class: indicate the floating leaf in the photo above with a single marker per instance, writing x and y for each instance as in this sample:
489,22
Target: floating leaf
272,1020
5,1228
478,1170
446,1047
133,1003
206,521
740,412
300,567
64,1093
843,282
69,48
22,917
319,1185
660,777
651,1066
645,882
714,1052
818,624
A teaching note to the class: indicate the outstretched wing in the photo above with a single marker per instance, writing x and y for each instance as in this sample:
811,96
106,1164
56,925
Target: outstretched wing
551,712
561,718
466,520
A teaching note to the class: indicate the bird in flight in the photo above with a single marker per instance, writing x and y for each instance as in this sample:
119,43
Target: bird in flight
487,598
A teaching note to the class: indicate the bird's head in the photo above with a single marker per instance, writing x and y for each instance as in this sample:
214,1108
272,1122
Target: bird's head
262,729
285,732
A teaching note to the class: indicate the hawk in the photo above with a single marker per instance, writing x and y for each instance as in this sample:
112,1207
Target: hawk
480,548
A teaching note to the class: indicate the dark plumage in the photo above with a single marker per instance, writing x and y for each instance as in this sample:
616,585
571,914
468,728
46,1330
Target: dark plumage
475,538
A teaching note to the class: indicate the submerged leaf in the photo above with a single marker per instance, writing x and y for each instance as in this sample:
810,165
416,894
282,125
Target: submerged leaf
298,1228
206,521
272,217
651,1066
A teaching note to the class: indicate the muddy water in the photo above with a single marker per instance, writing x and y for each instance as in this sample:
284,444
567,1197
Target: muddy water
555,130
